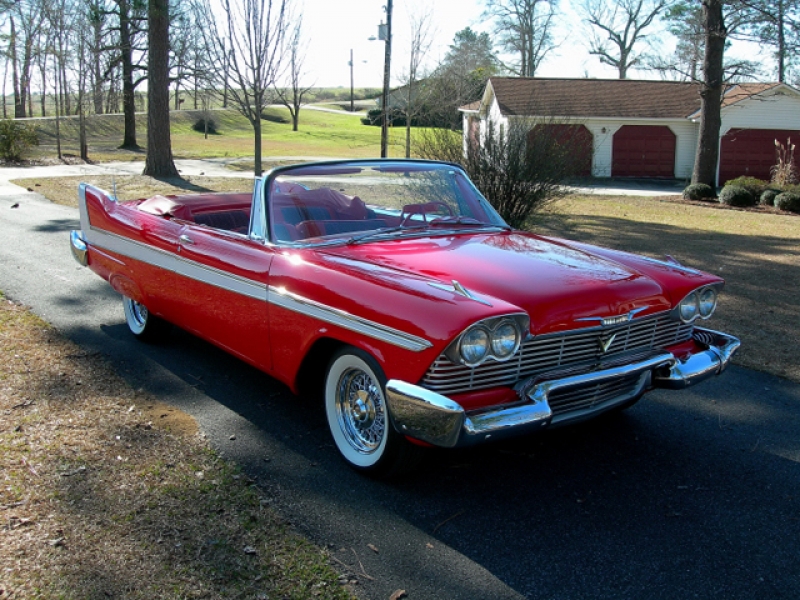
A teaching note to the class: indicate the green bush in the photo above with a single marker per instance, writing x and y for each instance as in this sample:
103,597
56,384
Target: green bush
789,201
16,138
752,184
767,197
734,195
200,125
699,191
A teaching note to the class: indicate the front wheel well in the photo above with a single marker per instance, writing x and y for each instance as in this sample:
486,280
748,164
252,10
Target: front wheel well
310,379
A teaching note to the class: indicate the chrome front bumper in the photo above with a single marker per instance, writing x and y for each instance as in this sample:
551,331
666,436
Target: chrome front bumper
440,421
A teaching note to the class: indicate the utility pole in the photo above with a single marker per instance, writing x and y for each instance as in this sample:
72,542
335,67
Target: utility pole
386,35
352,104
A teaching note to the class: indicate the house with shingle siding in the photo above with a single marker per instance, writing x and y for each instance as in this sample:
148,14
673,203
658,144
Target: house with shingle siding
633,128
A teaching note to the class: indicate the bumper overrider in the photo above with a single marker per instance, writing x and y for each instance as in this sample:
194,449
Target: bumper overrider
440,421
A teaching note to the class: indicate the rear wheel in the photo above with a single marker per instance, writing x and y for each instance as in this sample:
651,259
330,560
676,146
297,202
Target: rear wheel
355,406
144,325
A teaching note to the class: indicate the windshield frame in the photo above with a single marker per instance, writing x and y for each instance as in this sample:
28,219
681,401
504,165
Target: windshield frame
463,189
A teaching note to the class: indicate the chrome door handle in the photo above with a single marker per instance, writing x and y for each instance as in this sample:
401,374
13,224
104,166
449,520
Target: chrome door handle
185,239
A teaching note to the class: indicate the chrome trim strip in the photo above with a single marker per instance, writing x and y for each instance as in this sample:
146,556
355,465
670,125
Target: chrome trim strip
170,262
253,289
340,318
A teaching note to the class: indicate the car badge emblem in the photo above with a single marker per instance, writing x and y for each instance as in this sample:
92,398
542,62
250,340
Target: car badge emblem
605,343
617,320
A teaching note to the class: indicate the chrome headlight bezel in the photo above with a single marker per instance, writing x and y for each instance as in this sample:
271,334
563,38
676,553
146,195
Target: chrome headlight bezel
502,338
700,303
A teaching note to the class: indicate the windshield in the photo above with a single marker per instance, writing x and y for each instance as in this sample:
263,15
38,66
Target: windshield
352,201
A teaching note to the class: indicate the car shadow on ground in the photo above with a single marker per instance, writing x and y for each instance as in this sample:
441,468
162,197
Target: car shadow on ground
673,496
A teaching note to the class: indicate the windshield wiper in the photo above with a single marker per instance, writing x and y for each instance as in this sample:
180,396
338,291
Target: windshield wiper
359,238
462,220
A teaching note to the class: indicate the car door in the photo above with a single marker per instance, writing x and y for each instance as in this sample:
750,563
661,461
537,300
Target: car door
224,290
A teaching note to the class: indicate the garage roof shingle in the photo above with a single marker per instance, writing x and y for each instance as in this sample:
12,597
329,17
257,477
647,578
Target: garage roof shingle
609,98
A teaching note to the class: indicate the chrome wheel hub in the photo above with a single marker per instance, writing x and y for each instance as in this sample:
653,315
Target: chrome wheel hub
360,409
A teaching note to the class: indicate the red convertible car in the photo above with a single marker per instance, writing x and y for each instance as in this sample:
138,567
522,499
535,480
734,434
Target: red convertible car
424,319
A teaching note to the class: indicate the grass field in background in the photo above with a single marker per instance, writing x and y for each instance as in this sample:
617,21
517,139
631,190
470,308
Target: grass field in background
320,134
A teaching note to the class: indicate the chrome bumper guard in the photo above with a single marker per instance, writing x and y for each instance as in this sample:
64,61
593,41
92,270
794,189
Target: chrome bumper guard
440,421
78,246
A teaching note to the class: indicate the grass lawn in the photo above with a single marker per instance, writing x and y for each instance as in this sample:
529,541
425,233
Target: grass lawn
757,253
320,134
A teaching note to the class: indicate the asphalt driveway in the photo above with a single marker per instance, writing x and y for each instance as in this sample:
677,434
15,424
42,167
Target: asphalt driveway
690,494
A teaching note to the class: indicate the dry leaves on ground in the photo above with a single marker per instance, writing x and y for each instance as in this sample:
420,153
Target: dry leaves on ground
100,495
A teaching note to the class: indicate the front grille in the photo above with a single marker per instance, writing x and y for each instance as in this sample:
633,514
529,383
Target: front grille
580,349
589,396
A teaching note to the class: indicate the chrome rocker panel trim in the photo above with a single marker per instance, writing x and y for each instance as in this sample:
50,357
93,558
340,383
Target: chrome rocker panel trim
440,421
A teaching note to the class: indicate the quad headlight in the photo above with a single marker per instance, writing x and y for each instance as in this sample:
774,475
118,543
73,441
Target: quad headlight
498,339
701,303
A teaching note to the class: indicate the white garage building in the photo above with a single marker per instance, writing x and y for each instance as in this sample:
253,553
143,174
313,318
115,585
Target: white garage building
636,128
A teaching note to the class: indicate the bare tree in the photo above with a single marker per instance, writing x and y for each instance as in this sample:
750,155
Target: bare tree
519,166
618,26
25,25
245,46
291,96
705,162
524,28
421,38
159,161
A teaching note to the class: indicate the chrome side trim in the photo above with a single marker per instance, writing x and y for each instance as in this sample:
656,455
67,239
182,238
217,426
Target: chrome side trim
253,289
340,318
170,262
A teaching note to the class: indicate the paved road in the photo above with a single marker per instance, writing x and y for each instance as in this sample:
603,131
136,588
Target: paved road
687,495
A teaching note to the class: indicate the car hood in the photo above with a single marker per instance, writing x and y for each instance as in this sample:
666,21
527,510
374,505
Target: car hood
557,285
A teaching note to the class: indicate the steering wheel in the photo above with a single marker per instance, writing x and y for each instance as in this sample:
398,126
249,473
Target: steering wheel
432,207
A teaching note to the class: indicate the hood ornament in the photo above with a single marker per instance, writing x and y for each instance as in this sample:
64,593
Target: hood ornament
615,320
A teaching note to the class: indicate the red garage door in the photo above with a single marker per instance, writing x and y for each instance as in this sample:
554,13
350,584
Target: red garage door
577,140
750,152
643,151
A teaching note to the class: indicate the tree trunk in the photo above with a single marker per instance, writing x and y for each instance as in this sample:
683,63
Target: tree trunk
705,163
128,91
257,149
159,161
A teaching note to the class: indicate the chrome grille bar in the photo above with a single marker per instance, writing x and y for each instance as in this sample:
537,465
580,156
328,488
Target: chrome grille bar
539,355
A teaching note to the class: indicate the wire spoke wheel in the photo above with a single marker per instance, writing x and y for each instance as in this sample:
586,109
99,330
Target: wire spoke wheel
361,412
358,417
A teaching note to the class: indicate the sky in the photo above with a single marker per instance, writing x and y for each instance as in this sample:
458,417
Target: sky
334,27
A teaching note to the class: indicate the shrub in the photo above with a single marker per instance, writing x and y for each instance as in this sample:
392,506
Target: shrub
789,201
699,191
16,138
200,125
734,195
752,184
768,197
785,171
